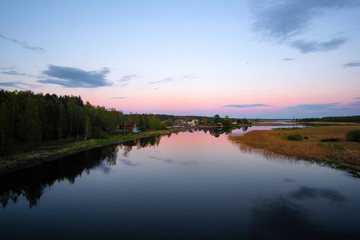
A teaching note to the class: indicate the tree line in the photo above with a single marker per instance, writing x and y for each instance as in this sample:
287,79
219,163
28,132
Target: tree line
28,119
331,119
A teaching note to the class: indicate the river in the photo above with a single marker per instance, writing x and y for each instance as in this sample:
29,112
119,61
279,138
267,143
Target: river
189,185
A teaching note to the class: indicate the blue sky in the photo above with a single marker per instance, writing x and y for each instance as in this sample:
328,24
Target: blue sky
259,58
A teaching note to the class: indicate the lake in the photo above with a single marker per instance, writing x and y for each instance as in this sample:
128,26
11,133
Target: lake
189,185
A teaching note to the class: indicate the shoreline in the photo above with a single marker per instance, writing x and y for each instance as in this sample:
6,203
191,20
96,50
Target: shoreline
313,147
48,153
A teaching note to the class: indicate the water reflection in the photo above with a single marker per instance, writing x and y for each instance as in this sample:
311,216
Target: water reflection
281,217
31,183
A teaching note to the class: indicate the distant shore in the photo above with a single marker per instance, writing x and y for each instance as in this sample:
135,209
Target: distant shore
325,143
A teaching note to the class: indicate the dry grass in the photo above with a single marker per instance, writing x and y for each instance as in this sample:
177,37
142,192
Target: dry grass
275,141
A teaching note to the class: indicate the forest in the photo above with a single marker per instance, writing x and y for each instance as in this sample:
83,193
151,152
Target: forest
28,120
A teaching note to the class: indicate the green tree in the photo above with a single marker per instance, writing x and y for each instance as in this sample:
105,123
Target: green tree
4,125
29,123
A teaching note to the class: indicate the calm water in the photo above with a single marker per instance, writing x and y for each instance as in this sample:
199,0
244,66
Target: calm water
181,186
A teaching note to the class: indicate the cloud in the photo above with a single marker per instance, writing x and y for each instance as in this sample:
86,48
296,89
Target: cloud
314,107
16,84
169,79
315,46
75,77
128,78
9,84
246,105
16,73
282,20
351,64
190,76
23,44
288,59
117,97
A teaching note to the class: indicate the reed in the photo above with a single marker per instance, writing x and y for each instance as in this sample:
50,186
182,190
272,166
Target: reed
344,152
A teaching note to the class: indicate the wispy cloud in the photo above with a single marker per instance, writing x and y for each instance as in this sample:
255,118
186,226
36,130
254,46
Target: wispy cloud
351,64
288,59
23,44
17,84
16,73
128,78
190,76
281,21
314,107
75,77
315,46
9,84
117,97
169,79
246,105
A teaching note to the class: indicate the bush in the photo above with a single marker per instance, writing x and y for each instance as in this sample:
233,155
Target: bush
295,137
336,139
353,136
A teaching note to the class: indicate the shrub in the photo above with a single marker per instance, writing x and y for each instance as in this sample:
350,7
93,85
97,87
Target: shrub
336,139
295,137
353,136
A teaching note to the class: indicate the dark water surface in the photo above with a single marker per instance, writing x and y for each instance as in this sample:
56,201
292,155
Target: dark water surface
183,186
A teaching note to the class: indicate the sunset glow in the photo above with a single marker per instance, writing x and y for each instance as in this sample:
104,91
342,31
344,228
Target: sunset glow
239,58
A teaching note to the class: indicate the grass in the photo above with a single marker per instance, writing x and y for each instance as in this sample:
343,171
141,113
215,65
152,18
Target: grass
343,152
55,150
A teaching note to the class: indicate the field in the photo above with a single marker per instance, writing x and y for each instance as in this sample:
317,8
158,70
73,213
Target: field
326,143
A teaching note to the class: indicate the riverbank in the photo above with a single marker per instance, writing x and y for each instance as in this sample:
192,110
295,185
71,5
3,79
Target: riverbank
50,152
327,143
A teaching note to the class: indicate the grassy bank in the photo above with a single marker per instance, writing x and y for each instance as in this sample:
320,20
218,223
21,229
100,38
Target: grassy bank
326,143
53,151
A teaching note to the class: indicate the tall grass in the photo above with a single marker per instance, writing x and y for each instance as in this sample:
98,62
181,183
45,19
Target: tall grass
311,147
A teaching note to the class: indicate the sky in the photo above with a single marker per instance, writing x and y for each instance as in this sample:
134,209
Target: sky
251,58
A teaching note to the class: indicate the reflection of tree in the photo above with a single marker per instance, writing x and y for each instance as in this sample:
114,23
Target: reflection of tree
31,183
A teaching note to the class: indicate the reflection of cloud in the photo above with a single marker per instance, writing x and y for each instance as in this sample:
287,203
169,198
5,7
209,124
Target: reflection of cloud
128,162
288,180
246,105
189,163
23,44
351,64
315,46
104,168
279,218
169,79
167,160
313,193
75,77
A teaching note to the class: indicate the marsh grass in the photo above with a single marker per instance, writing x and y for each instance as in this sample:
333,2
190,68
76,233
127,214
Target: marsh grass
275,141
